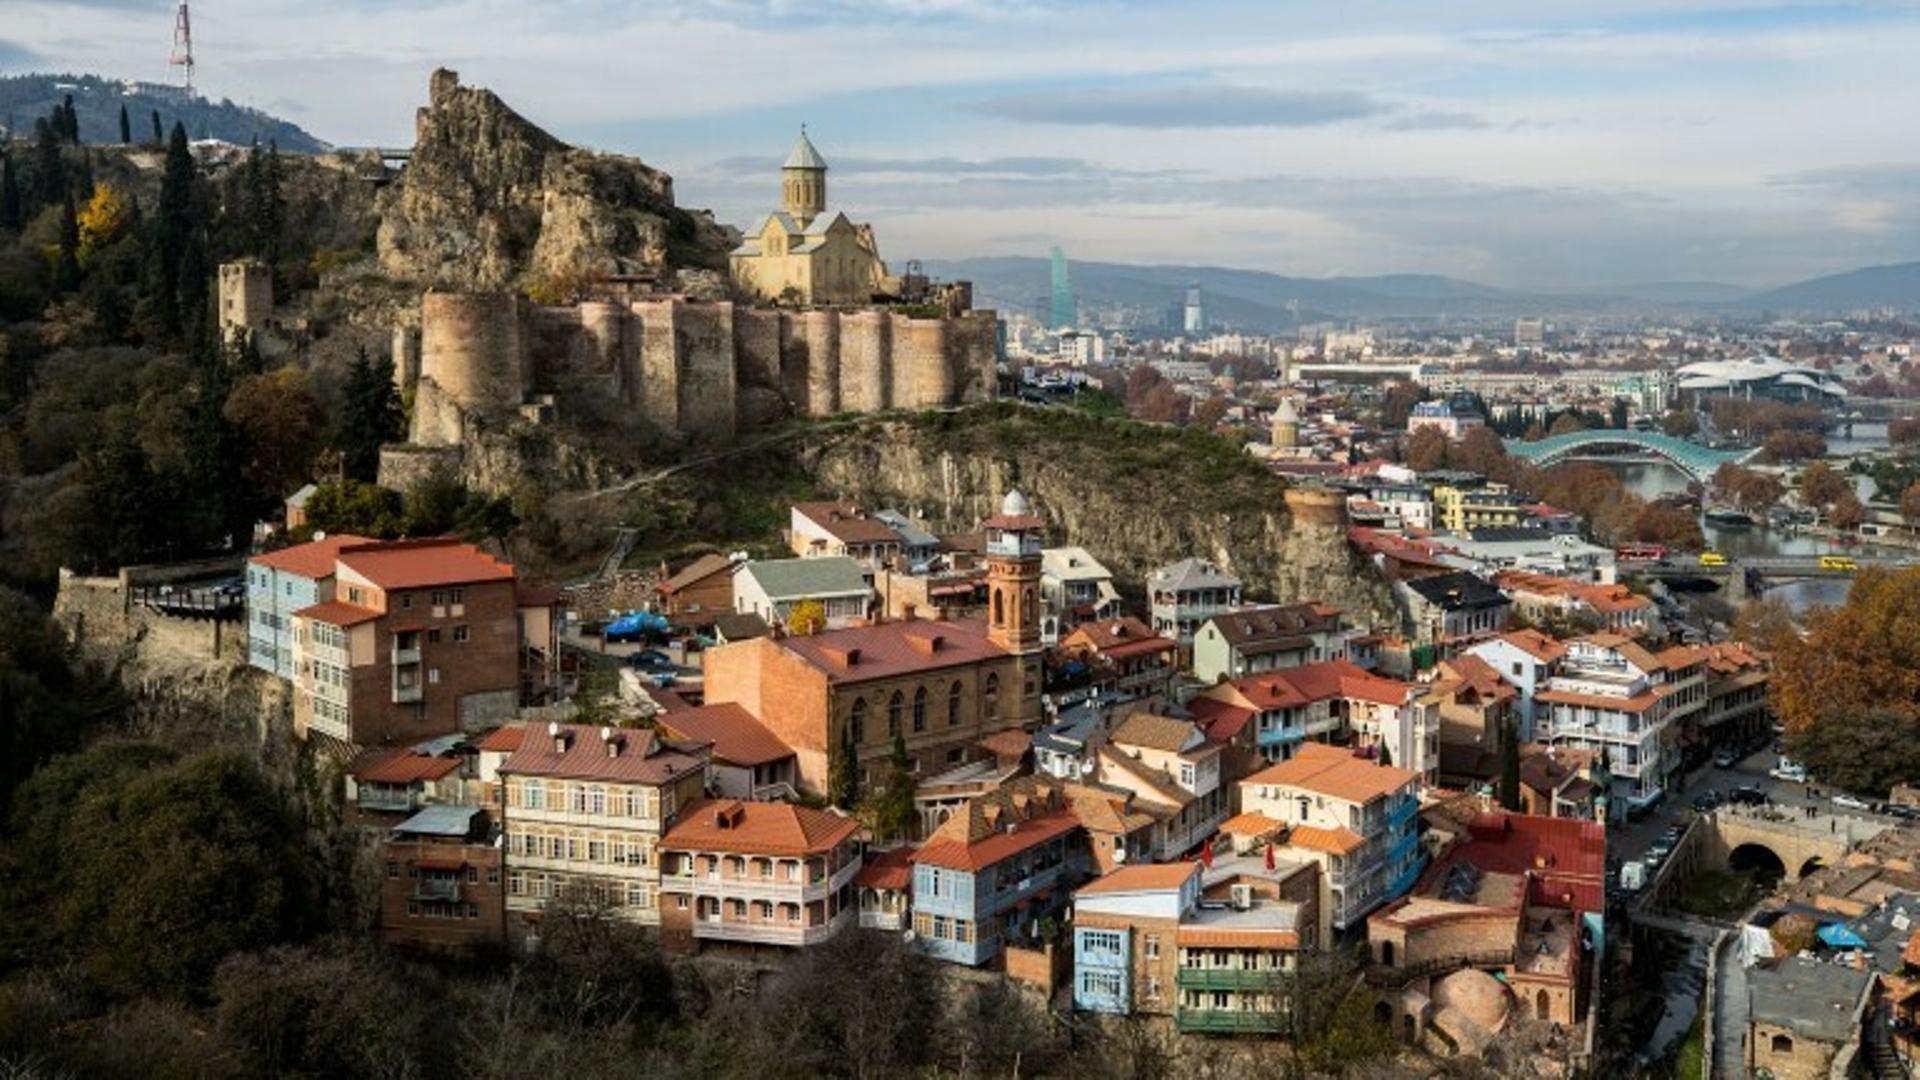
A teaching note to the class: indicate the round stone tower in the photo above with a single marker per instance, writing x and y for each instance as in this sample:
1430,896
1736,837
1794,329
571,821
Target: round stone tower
469,358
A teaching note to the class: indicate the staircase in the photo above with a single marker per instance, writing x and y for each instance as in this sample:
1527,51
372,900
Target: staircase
1882,1061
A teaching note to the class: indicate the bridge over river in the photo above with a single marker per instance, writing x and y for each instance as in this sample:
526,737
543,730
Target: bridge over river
1697,461
1751,575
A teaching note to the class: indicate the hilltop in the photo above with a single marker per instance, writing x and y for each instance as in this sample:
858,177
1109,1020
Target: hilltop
97,100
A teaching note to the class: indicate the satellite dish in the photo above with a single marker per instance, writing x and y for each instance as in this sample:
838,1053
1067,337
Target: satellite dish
1120,855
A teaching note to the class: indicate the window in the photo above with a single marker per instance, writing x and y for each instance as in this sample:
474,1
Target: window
460,632
991,696
393,869
953,704
433,676
406,600
895,705
1783,1044
857,723
1100,940
533,795
920,710
1153,946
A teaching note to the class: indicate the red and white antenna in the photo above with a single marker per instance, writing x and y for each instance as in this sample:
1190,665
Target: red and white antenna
183,47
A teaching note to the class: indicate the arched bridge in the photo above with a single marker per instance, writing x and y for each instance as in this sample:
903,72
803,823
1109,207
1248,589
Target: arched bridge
1698,462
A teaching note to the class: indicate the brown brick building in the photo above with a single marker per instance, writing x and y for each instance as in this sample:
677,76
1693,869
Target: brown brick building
699,592
421,638
944,686
441,881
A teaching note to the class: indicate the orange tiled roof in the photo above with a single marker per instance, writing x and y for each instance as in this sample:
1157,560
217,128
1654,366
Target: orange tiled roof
1141,877
888,650
1535,644
310,560
1124,636
642,758
847,523
757,828
503,738
1340,841
1330,770
414,564
1638,703
1222,937
737,736
1155,732
400,765
1252,824
957,855
891,870
337,613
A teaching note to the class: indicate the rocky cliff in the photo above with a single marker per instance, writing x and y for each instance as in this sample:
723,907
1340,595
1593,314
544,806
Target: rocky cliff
1135,495
489,200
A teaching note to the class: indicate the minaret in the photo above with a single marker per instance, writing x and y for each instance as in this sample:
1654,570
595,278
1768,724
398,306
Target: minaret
803,181
1013,602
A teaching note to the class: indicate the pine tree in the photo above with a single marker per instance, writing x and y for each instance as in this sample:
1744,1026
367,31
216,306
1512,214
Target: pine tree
159,133
66,267
1386,756
9,195
370,416
126,126
49,174
121,489
70,120
218,449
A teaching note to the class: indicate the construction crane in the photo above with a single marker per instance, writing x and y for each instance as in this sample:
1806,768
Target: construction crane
183,47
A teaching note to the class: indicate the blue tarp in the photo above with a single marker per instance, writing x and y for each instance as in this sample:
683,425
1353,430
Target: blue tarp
1837,936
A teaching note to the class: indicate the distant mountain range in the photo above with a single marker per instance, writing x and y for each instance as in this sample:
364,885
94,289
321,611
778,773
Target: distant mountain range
1258,301
26,98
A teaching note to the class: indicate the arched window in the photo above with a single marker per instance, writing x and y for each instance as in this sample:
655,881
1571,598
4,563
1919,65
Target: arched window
1783,1044
1542,1005
953,705
999,608
920,710
990,696
894,707
857,723
1026,607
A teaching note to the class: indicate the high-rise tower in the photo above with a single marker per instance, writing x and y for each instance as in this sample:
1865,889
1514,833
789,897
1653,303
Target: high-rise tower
1064,314
803,181
182,57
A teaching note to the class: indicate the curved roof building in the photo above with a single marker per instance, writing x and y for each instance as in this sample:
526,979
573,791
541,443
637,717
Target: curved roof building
1761,377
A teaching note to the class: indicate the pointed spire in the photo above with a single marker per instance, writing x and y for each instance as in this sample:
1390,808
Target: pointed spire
803,155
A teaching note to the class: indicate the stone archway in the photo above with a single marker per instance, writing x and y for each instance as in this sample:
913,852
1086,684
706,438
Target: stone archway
1764,862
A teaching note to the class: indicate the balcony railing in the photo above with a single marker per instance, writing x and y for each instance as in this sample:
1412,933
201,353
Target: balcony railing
385,799
1228,978
1230,1022
436,888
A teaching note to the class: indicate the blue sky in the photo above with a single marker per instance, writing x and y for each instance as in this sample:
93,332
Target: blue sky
1562,144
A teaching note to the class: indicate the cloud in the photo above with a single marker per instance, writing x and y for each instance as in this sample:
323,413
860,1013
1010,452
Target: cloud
1436,120
16,57
1184,105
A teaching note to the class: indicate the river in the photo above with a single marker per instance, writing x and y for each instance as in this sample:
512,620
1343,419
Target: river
1650,480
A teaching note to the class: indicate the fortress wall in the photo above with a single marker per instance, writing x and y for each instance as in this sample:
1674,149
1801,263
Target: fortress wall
437,419
658,384
406,357
601,338
922,377
756,337
819,374
970,352
704,335
865,359
470,346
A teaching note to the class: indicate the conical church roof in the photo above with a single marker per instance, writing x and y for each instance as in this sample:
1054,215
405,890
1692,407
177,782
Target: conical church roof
803,155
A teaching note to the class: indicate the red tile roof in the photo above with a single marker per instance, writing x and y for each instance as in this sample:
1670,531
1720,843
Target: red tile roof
891,870
1221,720
1340,841
1565,857
1121,637
847,523
1308,683
887,650
642,759
400,765
1535,644
1330,770
736,735
757,828
310,560
337,613
953,854
415,564
1252,824
503,738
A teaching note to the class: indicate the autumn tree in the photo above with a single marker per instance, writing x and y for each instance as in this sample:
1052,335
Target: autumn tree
1658,523
103,222
1910,504
1854,658
808,616
1821,485
1425,449
1397,404
1793,445
1680,423
1567,423
1765,623
283,424
1479,450
1904,431
1847,512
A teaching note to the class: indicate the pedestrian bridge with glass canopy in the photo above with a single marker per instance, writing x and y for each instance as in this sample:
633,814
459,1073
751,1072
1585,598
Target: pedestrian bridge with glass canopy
1698,462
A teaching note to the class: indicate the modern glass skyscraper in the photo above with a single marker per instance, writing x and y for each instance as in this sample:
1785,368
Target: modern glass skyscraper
1064,315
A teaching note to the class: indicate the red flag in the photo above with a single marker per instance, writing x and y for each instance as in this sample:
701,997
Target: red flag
1269,858
1206,854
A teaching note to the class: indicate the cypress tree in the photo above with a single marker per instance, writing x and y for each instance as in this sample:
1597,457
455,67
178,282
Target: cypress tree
1510,771
843,779
9,195
70,120
66,267
121,484
49,175
173,240
159,133
126,126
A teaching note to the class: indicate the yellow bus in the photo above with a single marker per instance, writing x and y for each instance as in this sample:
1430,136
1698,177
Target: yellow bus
1838,562
1712,558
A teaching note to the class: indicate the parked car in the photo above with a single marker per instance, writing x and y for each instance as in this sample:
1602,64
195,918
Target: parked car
1793,774
1851,802
1901,811
664,679
1725,758
1633,876
1748,795
652,660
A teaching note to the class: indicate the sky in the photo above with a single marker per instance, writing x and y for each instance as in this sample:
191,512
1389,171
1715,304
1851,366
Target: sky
1540,144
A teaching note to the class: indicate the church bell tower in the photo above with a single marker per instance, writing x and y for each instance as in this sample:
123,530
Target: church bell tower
1013,576
803,182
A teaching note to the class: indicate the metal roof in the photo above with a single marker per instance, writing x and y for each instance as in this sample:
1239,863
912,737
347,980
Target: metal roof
816,578
441,820
803,155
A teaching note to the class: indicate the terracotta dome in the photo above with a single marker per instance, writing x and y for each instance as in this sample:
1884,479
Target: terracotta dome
1476,995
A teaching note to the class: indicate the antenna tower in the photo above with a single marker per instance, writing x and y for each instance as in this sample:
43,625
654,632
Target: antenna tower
183,47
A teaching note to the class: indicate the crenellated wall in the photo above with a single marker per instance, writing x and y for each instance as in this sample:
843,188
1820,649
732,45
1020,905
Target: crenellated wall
706,369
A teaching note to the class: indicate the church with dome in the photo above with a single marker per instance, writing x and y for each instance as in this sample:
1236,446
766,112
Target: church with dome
804,253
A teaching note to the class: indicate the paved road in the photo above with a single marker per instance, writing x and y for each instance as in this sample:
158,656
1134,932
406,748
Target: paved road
1630,842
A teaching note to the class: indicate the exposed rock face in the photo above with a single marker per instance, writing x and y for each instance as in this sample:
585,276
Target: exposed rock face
489,201
1132,518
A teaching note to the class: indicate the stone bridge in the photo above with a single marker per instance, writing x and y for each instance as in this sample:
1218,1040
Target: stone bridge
1798,842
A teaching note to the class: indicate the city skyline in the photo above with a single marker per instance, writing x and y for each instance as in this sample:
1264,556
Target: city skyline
1589,146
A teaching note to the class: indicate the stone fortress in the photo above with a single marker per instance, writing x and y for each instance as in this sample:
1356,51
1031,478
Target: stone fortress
807,322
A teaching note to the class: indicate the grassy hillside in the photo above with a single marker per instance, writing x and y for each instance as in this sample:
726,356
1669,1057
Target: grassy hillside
26,98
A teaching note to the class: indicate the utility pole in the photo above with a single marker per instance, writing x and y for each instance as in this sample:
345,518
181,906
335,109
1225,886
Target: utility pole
183,47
